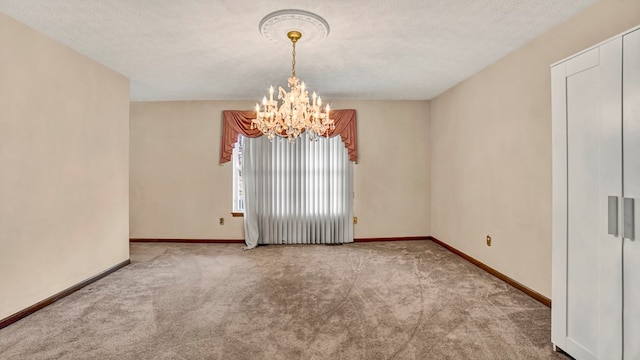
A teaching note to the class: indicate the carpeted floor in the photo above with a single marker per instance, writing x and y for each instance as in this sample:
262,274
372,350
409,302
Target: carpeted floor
387,300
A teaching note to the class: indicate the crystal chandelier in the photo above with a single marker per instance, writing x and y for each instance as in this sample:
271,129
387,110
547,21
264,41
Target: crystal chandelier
295,114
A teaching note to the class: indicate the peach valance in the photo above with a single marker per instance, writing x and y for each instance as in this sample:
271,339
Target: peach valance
236,122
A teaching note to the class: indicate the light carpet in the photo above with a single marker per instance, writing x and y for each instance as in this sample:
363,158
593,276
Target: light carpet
386,300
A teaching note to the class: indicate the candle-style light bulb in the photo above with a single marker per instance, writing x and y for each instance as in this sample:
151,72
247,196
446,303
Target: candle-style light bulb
314,98
271,93
264,101
319,101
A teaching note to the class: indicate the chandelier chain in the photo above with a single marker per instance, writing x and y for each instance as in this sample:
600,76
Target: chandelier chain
293,61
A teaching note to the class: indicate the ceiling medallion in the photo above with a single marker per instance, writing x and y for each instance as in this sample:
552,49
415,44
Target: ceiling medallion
276,25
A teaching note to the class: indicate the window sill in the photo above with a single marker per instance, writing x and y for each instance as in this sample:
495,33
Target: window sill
237,214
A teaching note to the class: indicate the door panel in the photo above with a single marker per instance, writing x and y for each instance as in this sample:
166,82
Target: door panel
631,141
610,280
583,182
594,279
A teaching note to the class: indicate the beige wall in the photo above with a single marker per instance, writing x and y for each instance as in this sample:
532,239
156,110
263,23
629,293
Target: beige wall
178,189
392,177
63,167
491,149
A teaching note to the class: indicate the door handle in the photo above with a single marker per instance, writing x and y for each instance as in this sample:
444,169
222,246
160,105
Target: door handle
628,230
612,215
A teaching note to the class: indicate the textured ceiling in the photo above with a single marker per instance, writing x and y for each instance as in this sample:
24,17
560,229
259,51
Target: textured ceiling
377,49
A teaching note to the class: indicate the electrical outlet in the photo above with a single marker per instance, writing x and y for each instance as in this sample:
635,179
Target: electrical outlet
221,221
488,240
355,220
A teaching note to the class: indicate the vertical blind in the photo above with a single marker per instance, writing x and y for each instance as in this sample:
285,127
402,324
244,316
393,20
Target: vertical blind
297,193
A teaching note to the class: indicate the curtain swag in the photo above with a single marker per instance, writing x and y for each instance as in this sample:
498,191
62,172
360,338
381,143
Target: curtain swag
236,122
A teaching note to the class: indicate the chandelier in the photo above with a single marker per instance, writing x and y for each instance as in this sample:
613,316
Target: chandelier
295,114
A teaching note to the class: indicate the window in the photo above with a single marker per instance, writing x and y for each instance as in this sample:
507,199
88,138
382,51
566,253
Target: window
238,194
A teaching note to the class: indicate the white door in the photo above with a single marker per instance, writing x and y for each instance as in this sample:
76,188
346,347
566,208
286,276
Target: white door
631,141
587,242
